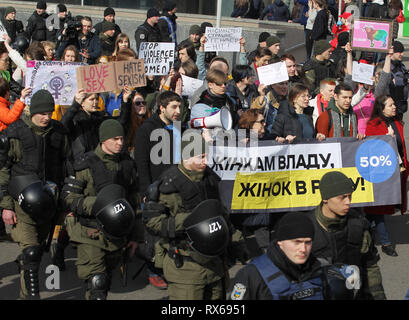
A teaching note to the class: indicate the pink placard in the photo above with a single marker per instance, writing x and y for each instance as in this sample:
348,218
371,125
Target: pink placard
371,35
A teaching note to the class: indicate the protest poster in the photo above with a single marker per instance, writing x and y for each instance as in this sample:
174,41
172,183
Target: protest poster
272,73
3,31
97,78
190,85
362,72
130,73
111,76
272,178
58,77
371,35
158,57
222,39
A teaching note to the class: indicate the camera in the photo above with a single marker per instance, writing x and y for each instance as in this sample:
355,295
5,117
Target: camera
72,27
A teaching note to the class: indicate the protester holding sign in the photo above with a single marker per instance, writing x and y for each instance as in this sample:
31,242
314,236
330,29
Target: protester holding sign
261,58
383,121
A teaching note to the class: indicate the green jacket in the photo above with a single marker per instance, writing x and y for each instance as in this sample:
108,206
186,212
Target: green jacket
371,277
89,194
346,117
15,154
204,269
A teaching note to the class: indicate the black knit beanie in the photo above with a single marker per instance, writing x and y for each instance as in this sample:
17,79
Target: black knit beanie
263,36
295,225
334,184
109,11
41,5
110,129
41,101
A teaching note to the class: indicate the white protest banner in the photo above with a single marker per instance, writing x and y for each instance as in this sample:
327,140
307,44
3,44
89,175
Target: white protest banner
272,73
58,77
158,57
3,31
362,72
222,39
190,85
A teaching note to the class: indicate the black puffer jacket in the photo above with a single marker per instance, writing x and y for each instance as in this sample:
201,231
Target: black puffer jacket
36,28
13,28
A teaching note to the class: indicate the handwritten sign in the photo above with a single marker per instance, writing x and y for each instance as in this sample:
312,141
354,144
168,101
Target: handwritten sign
362,72
222,39
272,73
111,76
58,77
130,73
3,31
158,57
190,85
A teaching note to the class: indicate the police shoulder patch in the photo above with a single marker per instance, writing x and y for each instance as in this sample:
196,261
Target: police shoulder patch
238,291
142,36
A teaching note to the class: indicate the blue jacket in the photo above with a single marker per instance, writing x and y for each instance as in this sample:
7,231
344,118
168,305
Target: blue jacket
304,11
277,11
91,44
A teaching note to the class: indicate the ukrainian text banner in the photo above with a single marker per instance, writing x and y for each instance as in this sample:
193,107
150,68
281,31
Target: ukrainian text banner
277,178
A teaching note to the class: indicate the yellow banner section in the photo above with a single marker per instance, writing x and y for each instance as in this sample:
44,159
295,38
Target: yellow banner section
290,189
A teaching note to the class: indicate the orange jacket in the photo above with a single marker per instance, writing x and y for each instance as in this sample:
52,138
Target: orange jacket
8,116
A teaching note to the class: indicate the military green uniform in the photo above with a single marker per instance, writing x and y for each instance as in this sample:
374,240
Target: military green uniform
97,253
199,277
348,240
40,151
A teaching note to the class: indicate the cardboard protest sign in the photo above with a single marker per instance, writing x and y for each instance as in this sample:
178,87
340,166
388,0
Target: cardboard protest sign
272,73
371,35
97,78
190,85
130,73
58,77
222,39
3,31
271,177
111,76
158,57
362,72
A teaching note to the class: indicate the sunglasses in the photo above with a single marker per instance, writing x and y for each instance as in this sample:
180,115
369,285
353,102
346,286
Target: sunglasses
138,103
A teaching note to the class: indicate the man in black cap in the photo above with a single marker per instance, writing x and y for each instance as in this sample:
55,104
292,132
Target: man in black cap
98,174
107,38
342,234
36,26
288,270
148,31
262,38
13,27
167,22
109,15
398,87
319,67
38,147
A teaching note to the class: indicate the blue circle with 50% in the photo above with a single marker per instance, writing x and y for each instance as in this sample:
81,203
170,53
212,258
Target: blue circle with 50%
376,161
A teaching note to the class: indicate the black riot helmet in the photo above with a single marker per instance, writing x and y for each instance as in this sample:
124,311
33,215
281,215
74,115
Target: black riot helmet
20,44
206,228
115,216
36,198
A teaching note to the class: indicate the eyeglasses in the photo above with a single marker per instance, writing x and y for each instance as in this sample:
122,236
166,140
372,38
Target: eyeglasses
138,103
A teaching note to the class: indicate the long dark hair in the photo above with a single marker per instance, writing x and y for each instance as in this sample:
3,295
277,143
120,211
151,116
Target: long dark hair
379,106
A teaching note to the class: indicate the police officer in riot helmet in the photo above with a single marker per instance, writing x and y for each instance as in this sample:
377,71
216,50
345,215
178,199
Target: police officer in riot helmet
288,270
101,197
342,234
183,208
31,180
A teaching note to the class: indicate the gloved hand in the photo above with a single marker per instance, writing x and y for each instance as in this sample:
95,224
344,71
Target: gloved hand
352,276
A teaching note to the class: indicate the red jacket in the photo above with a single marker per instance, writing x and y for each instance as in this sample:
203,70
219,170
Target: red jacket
377,127
8,116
